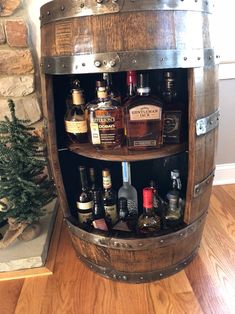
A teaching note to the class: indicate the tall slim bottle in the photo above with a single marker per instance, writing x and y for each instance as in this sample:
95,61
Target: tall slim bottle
109,197
127,190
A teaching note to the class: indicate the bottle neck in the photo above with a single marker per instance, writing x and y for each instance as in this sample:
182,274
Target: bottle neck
77,98
126,173
107,182
143,91
147,201
83,178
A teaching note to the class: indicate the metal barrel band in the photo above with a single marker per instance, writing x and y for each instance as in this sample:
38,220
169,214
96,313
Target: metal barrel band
202,186
61,9
207,124
128,60
113,274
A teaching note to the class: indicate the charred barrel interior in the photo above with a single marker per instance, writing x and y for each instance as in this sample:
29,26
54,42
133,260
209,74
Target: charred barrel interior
84,39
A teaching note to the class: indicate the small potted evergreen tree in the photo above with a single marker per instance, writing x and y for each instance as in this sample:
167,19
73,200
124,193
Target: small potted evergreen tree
25,188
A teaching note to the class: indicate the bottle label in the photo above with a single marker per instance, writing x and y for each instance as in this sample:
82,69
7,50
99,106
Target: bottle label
95,134
149,143
108,127
84,217
107,183
145,112
76,127
85,206
111,211
132,206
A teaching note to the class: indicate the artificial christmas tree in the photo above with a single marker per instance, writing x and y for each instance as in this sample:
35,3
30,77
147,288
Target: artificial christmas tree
24,187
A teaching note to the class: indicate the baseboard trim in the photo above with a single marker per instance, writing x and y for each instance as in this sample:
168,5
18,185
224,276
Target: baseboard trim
224,174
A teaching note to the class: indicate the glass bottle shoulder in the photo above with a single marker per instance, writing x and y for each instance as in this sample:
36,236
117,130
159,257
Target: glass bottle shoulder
102,104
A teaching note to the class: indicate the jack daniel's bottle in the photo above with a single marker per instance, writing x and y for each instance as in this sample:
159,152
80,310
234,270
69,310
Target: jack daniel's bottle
143,117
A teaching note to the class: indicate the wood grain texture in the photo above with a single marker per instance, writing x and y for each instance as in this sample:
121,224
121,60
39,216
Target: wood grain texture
205,286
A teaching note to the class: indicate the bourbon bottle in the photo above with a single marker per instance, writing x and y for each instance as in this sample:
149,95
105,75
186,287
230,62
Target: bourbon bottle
105,120
143,118
75,121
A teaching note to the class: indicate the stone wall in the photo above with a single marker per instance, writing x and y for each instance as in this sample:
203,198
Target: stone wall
18,62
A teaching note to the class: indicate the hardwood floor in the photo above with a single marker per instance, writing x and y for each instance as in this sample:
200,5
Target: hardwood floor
207,285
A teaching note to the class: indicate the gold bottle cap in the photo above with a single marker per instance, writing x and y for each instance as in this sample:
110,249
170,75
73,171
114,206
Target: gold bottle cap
77,96
106,172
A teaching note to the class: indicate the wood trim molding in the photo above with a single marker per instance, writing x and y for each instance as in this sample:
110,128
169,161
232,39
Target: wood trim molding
225,174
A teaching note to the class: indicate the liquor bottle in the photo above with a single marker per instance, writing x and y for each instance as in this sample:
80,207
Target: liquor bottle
109,197
99,221
112,91
172,132
143,117
148,222
121,225
93,183
175,202
105,120
84,200
131,81
127,190
158,202
75,121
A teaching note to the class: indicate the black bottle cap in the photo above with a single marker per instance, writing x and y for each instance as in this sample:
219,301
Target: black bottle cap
101,83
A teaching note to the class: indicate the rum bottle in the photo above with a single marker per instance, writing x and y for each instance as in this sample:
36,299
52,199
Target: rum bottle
105,120
75,121
148,222
143,118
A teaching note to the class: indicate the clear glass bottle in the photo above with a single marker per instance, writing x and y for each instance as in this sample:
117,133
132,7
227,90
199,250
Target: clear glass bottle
75,120
143,118
148,222
112,91
84,200
175,202
109,197
105,120
127,190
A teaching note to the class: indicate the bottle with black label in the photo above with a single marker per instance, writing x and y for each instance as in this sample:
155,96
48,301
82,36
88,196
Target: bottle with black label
84,200
109,197
99,221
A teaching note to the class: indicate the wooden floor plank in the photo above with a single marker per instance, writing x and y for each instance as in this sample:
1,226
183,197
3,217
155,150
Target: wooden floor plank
207,285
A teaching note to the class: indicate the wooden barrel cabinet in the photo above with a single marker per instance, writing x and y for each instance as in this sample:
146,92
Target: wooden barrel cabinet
91,37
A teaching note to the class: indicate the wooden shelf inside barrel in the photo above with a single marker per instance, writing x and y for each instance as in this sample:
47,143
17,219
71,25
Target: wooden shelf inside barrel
122,154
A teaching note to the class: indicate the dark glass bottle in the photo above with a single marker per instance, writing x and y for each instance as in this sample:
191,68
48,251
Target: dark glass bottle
148,222
109,197
143,118
175,202
112,91
106,122
84,200
158,202
75,121
99,221
121,225
172,132
93,183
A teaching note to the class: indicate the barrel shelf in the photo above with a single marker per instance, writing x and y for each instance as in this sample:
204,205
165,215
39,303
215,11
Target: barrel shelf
122,154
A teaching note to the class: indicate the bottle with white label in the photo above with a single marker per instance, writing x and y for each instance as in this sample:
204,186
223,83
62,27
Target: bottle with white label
109,198
75,121
84,200
143,118
127,190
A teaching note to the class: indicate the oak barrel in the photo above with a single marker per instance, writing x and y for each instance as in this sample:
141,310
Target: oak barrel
82,37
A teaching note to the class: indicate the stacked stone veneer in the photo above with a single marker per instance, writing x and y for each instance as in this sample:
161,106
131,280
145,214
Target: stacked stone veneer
17,67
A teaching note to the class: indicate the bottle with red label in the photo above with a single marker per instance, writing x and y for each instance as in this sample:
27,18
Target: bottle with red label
148,222
143,118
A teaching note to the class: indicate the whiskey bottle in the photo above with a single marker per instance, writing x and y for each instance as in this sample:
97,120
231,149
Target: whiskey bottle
105,120
75,121
84,200
175,202
112,91
143,118
127,190
109,197
148,222
99,221
172,132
